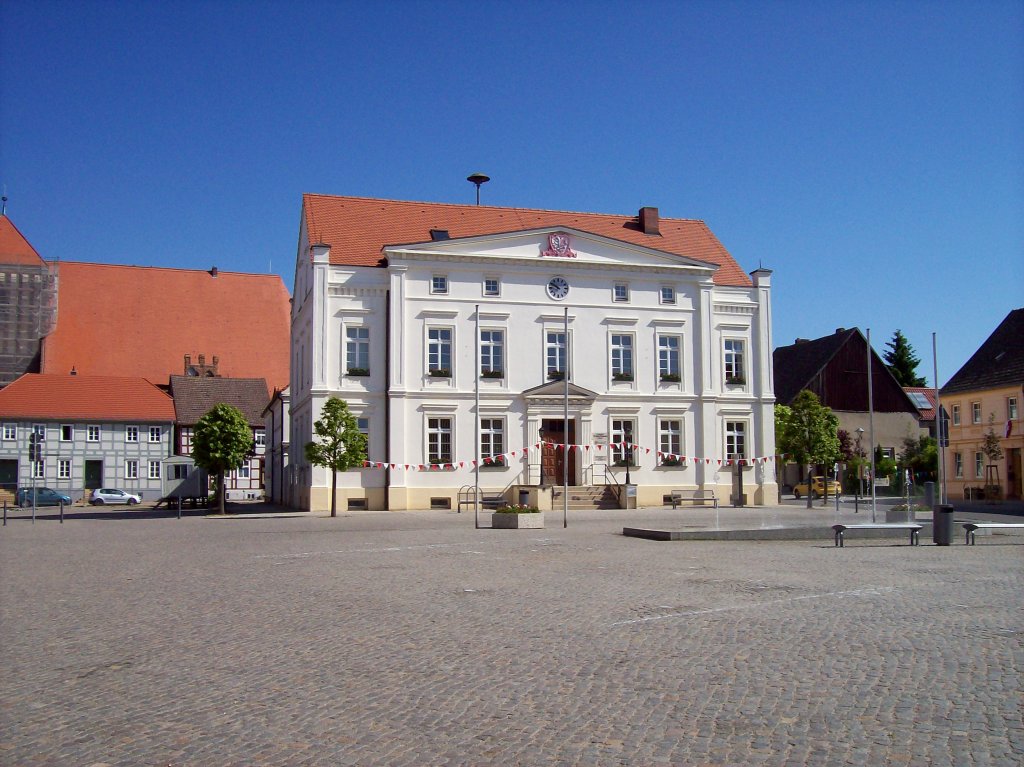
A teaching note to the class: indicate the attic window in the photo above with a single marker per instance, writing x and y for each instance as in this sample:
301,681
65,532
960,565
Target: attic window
439,234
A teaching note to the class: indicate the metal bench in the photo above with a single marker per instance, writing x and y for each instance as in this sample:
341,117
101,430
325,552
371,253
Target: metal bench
693,496
915,530
972,527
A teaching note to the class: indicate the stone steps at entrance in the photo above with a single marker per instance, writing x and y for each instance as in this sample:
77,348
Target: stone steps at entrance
587,497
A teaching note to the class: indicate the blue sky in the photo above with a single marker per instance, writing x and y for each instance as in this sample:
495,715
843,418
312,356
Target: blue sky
870,153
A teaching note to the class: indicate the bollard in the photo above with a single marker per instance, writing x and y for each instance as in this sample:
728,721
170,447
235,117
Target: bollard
942,525
5,512
929,494
179,507
62,511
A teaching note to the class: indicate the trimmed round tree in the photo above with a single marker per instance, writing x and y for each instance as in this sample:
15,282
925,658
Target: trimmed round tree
339,446
221,441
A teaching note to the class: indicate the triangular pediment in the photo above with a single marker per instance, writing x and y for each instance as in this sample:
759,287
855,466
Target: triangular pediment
557,389
550,244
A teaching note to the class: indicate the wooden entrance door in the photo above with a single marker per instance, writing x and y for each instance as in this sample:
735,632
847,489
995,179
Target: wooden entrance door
555,460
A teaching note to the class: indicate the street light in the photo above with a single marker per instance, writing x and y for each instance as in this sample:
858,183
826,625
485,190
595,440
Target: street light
860,473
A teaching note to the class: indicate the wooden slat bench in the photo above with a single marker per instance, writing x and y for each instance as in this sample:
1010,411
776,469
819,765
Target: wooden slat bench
915,530
702,497
973,527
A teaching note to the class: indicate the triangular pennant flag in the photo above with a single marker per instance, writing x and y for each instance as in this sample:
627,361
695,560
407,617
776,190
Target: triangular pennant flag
586,448
392,467
648,450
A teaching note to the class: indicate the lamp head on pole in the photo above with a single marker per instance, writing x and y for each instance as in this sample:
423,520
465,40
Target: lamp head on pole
478,179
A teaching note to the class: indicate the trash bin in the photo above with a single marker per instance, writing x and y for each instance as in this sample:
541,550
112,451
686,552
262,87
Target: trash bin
942,525
524,497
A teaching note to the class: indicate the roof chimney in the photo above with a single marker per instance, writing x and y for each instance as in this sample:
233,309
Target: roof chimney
213,271
649,220
840,330
801,341
73,371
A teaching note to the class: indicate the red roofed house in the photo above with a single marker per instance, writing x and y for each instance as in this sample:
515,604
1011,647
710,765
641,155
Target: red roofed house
143,321
668,349
28,287
97,431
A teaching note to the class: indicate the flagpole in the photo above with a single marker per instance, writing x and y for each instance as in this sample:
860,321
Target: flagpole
939,423
871,429
565,431
476,467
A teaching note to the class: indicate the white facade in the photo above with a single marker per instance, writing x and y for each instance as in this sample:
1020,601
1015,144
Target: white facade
377,337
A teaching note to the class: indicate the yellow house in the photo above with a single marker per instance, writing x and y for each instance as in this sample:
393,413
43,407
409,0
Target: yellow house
985,396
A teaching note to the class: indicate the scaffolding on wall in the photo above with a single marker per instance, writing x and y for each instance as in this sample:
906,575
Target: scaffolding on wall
28,312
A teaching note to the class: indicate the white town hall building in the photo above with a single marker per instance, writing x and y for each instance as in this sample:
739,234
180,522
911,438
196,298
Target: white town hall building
668,353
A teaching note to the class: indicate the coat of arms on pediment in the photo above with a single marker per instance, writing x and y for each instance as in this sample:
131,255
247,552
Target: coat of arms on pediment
558,246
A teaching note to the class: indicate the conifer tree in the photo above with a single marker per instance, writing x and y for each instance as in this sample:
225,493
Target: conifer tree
902,361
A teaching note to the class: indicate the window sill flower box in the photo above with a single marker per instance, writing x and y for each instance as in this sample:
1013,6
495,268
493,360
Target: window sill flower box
358,371
624,462
440,373
736,381
492,373
670,378
556,375
670,463
622,376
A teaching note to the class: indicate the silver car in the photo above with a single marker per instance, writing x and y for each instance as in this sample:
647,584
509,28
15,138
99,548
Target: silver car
104,495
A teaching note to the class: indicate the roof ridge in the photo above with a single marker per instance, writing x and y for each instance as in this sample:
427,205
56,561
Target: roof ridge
220,272
490,207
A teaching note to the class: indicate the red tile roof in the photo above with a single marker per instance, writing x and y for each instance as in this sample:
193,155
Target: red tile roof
139,320
14,248
927,414
99,398
357,228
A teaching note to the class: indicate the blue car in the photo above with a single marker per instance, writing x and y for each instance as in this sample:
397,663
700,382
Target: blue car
44,496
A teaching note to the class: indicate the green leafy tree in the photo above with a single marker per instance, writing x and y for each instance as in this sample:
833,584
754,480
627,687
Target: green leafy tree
808,431
902,361
991,448
921,456
340,444
884,467
222,440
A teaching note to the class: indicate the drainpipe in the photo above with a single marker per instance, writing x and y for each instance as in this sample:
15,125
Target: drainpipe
387,400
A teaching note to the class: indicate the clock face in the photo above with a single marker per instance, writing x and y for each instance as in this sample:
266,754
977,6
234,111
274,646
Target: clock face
558,288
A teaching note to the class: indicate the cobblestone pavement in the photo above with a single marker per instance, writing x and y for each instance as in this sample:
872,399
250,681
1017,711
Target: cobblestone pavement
415,639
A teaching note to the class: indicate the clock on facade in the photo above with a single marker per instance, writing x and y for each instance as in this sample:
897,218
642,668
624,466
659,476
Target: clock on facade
558,288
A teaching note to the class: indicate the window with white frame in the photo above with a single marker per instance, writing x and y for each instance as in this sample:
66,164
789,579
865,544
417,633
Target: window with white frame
492,287
438,284
67,432
668,294
244,470
979,465
1011,408
492,353
735,439
92,433
623,431
670,440
668,358
357,350
154,469
131,469
63,468
622,356
958,465
492,441
439,351
439,440
260,437
39,430
735,366
956,415
554,354
156,433
975,412
620,292
38,469
131,433
10,431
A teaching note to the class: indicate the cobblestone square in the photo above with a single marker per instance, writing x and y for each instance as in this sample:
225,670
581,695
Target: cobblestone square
415,639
